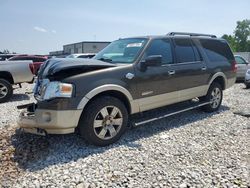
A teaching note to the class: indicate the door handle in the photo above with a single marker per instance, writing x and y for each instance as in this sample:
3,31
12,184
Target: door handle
171,72
204,68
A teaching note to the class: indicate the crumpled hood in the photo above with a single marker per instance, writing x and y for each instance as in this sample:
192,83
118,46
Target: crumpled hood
63,67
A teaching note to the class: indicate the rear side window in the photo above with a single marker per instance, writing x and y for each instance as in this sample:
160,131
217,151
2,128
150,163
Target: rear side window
217,50
239,60
160,47
186,51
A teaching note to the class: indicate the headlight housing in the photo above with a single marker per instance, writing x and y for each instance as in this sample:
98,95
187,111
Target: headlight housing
56,90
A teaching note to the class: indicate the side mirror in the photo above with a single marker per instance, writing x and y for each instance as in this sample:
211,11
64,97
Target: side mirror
151,61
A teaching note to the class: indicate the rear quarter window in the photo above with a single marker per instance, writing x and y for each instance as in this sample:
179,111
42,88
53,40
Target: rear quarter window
217,50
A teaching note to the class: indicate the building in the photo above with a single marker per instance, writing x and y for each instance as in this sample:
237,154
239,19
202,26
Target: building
81,47
84,47
56,53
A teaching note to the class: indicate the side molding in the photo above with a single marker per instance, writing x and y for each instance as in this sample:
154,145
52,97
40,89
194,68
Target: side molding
109,87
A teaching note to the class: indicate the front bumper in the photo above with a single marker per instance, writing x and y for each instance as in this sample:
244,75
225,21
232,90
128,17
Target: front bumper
42,121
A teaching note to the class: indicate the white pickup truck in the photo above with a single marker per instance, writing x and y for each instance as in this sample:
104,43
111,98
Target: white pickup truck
13,72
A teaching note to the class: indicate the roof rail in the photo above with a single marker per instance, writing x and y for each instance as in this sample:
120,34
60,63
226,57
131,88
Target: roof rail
191,34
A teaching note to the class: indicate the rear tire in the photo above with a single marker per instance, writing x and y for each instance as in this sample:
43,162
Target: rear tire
215,96
103,121
6,90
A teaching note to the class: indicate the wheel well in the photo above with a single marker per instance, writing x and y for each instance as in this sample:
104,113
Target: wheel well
117,95
220,80
7,76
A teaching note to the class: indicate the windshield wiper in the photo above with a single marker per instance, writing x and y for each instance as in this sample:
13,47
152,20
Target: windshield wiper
105,59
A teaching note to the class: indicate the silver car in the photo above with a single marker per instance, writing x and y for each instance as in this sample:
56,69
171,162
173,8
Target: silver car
242,67
247,79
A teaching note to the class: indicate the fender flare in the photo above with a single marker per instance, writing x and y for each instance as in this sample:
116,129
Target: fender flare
216,75
8,76
109,87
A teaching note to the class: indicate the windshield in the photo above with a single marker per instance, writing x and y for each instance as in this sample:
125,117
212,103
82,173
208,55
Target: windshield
122,51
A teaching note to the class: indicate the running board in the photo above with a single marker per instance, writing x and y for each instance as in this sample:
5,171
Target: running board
190,107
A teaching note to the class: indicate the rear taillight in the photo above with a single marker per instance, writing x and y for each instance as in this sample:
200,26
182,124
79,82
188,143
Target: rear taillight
32,68
234,66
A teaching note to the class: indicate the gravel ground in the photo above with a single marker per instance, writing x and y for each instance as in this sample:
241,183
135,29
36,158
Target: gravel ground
192,149
8,111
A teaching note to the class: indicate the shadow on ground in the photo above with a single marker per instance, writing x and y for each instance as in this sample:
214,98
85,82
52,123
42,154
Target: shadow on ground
19,97
36,152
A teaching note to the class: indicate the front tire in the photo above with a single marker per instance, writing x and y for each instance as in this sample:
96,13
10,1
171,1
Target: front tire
214,96
103,121
6,90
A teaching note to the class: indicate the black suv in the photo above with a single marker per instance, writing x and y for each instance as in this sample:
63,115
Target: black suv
131,75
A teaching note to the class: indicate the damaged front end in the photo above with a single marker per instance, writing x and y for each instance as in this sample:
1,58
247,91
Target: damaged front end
54,113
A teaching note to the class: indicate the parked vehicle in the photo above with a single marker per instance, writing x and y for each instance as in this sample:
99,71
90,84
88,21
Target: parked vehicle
83,55
4,57
36,59
242,67
247,79
13,72
96,96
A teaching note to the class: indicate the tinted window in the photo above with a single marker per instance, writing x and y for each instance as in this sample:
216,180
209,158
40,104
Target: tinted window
34,59
17,58
85,56
217,50
239,60
160,47
38,59
184,50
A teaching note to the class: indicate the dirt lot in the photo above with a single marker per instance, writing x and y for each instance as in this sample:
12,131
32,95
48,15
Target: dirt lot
193,149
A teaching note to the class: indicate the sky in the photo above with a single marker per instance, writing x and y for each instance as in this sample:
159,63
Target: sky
41,26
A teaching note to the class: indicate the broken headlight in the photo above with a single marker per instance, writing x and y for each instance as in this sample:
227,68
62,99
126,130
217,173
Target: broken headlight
57,90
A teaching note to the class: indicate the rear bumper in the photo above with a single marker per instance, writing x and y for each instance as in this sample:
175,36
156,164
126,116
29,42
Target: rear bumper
43,121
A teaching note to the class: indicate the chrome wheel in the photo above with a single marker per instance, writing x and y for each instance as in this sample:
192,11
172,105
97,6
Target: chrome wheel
215,98
3,91
108,122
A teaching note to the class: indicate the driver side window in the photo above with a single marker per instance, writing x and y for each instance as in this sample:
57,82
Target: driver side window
160,47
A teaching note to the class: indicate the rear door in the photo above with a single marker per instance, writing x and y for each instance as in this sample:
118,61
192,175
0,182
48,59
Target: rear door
190,69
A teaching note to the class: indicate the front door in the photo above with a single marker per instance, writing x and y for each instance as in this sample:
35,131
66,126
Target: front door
155,86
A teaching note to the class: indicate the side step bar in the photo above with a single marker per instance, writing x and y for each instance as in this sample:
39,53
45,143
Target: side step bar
191,107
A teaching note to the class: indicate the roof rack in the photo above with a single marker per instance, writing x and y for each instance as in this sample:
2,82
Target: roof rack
191,34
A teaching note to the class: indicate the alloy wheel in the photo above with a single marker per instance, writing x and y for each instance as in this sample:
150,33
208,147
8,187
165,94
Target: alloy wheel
3,91
215,98
108,122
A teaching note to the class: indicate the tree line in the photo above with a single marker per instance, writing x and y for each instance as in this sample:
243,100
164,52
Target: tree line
240,40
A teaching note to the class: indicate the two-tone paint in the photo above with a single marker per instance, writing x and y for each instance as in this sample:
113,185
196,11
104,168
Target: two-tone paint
139,89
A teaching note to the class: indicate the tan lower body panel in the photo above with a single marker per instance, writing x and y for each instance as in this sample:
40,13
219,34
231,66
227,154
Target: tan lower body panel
52,121
157,101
